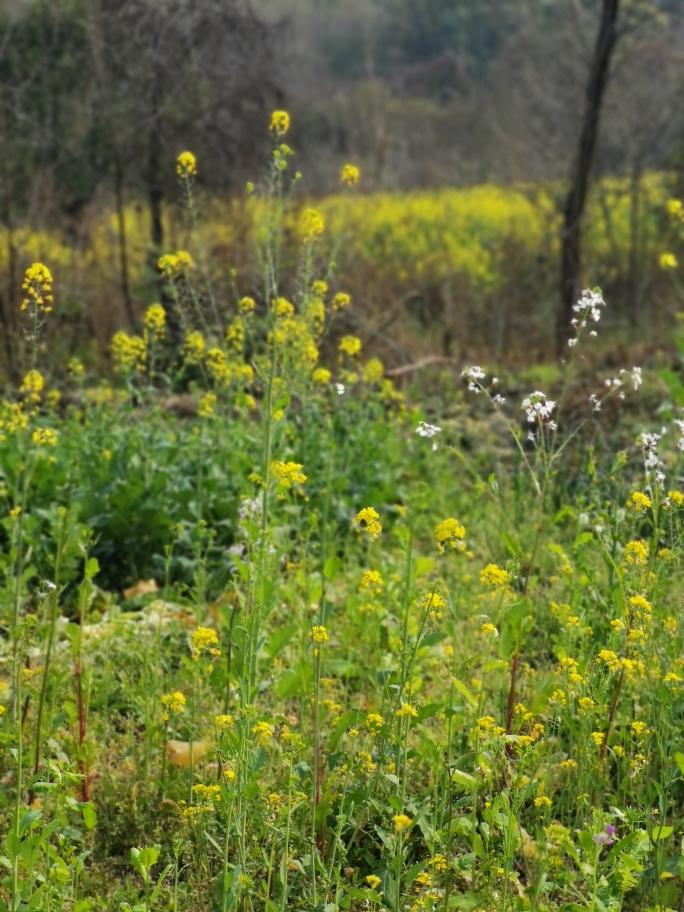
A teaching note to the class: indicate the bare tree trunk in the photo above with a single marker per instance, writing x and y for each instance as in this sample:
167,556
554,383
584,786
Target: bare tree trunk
571,233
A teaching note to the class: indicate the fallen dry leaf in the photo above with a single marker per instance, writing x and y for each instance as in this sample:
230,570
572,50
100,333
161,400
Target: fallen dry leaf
179,753
142,587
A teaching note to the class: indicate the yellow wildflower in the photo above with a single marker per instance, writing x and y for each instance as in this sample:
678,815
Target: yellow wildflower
129,352
368,520
350,174
246,304
636,552
401,822
186,165
372,581
406,711
341,301
450,533
350,345
224,721
321,376
319,634
155,321
494,576
207,405
32,386
37,288
263,732
44,437
639,501
280,123
172,702
312,224
204,639
288,474
194,347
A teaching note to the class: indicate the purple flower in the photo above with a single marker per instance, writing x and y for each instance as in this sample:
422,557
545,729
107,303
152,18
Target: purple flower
606,837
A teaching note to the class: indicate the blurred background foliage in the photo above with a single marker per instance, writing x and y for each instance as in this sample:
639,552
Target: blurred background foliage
463,116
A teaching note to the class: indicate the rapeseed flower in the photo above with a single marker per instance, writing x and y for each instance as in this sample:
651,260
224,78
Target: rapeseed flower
37,288
186,165
368,521
450,533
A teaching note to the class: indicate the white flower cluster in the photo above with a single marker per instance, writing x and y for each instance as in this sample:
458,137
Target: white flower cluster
538,408
474,375
250,508
427,430
633,375
680,427
588,308
652,462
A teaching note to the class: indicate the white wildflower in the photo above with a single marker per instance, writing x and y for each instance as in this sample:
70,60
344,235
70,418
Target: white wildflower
427,430
474,375
588,308
653,465
538,407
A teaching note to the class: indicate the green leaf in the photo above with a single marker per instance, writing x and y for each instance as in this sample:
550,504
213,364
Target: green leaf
662,833
464,780
89,816
331,568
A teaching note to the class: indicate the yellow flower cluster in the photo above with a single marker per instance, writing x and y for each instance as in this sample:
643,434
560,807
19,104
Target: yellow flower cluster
186,165
280,123
494,576
194,347
450,533
32,386
372,582
205,640
341,301
401,822
350,174
639,501
263,732
368,521
312,225
224,721
235,335
288,474
207,405
667,261
44,437
37,288
129,352
319,634
155,321
209,794
322,376
172,702
350,345
636,552
174,265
